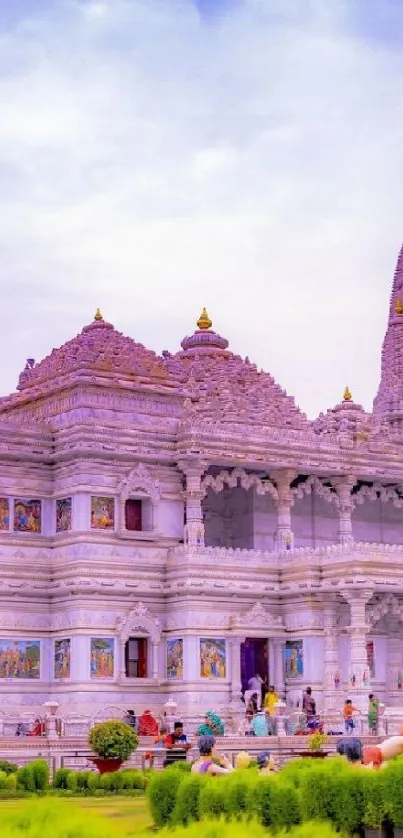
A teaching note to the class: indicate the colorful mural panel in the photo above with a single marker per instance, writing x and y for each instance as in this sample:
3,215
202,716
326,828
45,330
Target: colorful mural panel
63,514
27,515
62,658
102,657
20,659
213,661
175,658
4,514
102,513
294,659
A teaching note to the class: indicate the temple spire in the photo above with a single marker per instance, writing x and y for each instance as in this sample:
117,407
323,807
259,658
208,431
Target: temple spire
204,321
389,399
98,315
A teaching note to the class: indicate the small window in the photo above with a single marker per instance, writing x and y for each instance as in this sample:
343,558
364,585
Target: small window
133,515
136,657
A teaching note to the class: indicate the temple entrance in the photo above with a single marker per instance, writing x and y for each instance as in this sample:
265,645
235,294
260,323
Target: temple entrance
254,660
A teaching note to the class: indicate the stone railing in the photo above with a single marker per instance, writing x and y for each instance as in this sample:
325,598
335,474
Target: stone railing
276,558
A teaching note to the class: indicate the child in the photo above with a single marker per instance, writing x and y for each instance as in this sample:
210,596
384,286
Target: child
348,711
373,712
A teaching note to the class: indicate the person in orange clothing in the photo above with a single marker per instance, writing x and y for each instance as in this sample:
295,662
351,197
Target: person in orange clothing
348,711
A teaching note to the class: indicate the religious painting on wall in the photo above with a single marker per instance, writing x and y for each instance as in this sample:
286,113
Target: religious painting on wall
27,515
102,513
294,659
20,659
102,657
4,514
371,659
213,661
175,657
62,658
63,514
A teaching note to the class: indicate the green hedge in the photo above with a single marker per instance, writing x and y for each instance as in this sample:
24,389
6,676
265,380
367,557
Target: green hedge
346,796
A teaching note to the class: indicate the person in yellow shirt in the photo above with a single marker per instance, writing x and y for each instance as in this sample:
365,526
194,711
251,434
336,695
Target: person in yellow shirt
270,702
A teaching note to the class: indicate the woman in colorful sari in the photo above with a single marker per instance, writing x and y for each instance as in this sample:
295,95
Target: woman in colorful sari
209,762
212,726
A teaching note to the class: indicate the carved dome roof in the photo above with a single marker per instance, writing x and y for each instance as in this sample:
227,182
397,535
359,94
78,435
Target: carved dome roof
98,349
221,386
345,419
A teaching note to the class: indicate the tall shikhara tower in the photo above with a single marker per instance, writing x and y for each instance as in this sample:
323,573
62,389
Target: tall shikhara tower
389,399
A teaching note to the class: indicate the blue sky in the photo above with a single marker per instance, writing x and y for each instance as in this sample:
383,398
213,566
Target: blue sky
161,155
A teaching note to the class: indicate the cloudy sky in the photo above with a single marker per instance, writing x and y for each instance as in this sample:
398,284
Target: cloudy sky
161,155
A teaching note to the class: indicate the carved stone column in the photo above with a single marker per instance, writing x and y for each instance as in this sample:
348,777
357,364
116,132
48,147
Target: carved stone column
236,683
277,680
331,680
283,480
194,528
359,679
122,661
154,660
344,487
394,674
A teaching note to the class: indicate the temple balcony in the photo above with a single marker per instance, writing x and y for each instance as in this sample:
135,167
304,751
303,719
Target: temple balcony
332,566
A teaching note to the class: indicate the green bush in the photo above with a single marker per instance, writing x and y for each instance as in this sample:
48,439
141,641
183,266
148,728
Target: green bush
212,802
285,804
11,782
294,770
349,799
218,829
3,780
25,778
113,740
60,778
393,784
318,786
237,792
72,781
187,799
40,773
93,781
8,767
162,792
375,799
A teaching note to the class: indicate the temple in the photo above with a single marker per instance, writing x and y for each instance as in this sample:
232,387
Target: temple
171,525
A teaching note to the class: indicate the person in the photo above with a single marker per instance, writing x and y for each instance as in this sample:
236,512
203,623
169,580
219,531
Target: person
251,706
309,705
147,724
270,702
259,724
159,744
348,711
373,713
208,761
375,756
351,749
212,725
245,726
177,745
38,728
130,719
266,763
255,685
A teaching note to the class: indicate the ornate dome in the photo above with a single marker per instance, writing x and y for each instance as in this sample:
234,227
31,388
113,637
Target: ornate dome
98,349
347,420
221,386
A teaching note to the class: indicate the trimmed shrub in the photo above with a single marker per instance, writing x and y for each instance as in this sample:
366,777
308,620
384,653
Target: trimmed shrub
113,740
25,778
60,778
212,799
294,770
375,801
40,773
188,799
93,781
8,767
3,780
318,786
162,792
393,784
237,792
285,805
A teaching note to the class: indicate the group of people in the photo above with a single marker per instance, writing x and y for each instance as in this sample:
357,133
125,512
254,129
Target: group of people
372,714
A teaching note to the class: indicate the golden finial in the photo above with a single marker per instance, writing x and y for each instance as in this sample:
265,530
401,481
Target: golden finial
204,321
98,315
398,306
347,397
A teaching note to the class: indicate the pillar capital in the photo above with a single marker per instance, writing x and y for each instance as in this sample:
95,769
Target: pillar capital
193,468
283,479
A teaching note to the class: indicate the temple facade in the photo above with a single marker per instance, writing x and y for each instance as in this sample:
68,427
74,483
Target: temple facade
171,525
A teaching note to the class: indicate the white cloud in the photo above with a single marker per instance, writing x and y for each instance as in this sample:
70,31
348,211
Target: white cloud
153,162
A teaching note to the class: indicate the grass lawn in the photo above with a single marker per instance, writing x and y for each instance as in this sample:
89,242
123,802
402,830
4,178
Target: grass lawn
129,814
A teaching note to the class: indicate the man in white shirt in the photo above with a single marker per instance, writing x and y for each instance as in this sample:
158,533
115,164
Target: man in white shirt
255,685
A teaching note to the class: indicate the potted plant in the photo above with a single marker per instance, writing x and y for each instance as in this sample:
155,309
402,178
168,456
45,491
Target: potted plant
113,742
316,741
